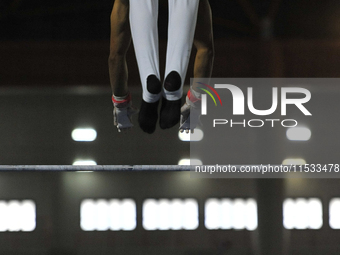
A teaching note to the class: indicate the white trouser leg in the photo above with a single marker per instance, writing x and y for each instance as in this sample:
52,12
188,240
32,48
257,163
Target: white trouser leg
181,30
143,23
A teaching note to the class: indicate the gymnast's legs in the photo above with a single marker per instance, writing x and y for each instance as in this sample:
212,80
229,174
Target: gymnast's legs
181,30
120,41
143,22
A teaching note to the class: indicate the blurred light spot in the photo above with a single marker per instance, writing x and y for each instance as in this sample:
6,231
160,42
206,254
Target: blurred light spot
294,161
191,137
334,213
84,134
165,214
231,214
17,216
298,134
302,213
84,162
188,162
103,215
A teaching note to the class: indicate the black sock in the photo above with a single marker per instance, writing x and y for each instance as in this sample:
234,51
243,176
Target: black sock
148,114
171,110
170,113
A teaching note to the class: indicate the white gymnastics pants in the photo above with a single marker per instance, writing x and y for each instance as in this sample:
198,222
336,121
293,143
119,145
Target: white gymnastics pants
181,30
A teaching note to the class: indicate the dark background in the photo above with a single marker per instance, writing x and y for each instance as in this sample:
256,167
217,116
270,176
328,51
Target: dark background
49,48
67,42
89,19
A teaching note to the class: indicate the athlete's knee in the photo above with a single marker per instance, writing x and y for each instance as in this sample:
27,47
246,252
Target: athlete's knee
173,81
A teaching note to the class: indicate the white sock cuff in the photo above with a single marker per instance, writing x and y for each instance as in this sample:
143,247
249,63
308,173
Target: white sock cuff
151,98
173,95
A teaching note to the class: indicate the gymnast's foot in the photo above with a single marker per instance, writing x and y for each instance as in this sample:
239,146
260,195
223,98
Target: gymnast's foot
170,113
148,116
171,109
